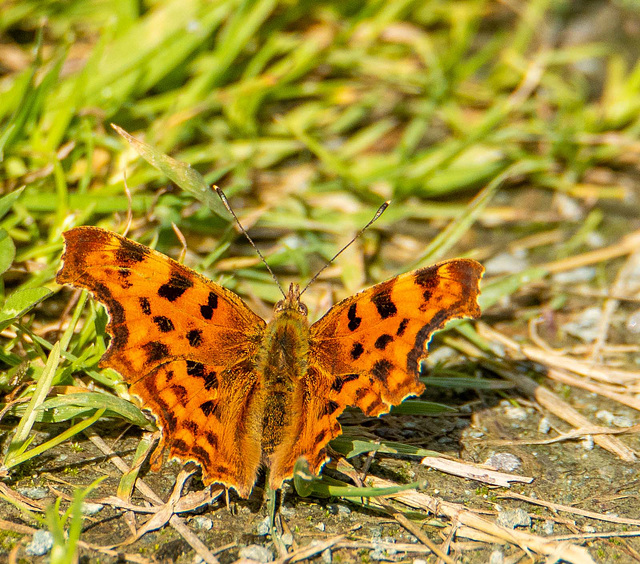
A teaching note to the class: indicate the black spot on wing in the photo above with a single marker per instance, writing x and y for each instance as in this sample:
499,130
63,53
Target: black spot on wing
208,408
356,351
163,323
123,274
354,320
212,439
340,381
130,253
321,437
145,306
194,337
202,454
192,426
211,380
156,351
382,341
207,309
383,302
179,446
427,279
181,393
331,407
381,369
195,369
177,285
402,327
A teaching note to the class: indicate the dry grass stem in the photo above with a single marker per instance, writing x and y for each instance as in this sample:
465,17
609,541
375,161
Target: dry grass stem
473,471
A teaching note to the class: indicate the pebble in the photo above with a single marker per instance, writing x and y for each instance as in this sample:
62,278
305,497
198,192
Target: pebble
338,509
263,528
34,493
203,523
89,508
544,426
497,557
287,509
504,461
41,543
287,539
512,518
547,527
622,421
256,552
326,556
516,413
587,442
585,326
605,416
320,526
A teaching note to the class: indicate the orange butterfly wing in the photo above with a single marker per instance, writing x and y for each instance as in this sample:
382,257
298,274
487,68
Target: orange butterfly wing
186,347
366,351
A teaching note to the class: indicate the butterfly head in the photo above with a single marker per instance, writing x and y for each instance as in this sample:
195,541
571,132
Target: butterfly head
291,302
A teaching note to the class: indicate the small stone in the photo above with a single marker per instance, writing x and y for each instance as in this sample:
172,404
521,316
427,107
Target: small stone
287,539
622,421
34,493
586,325
512,518
343,509
320,526
41,543
256,552
419,561
516,413
203,523
497,557
264,527
89,508
587,442
287,509
504,461
605,416
325,556
547,527
588,529
544,426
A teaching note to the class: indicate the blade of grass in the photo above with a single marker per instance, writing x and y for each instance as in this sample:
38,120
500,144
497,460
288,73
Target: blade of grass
21,457
19,440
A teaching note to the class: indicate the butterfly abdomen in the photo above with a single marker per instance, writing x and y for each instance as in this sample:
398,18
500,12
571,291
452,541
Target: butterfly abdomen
282,364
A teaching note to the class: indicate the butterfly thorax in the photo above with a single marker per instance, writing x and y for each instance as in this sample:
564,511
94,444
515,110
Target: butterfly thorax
283,364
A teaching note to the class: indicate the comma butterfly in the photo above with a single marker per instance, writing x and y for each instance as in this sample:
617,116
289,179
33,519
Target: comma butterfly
232,392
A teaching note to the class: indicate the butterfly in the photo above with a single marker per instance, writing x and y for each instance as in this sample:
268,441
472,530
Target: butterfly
233,392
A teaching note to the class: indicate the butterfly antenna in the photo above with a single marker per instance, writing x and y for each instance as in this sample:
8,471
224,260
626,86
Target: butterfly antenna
244,231
380,211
